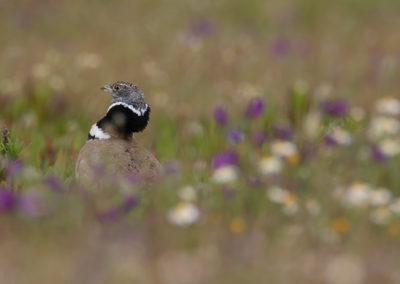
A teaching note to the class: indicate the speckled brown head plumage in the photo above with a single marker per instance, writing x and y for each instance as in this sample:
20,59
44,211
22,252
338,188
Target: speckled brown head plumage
127,93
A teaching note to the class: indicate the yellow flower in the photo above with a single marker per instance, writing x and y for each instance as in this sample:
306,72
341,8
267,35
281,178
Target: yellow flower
289,198
293,159
285,197
394,228
340,225
237,225
290,203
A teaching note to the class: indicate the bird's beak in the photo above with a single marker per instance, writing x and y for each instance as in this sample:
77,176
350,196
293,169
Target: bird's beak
106,88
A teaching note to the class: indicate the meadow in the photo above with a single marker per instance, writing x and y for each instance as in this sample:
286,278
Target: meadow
278,125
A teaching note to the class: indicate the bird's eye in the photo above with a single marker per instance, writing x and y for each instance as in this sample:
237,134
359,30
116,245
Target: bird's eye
116,88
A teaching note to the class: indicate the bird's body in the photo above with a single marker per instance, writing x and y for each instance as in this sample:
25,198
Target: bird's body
111,145
124,157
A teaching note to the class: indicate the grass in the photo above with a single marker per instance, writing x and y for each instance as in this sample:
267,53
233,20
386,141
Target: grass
302,201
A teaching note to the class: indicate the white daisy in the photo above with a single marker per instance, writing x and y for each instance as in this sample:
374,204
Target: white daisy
382,126
277,194
187,193
270,165
225,174
389,147
388,105
184,214
380,196
380,216
357,113
357,194
313,207
341,137
282,148
394,207
291,205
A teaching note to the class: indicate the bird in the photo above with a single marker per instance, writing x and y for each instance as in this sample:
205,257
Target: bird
111,144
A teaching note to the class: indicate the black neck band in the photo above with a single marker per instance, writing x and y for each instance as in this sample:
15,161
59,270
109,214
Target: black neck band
123,121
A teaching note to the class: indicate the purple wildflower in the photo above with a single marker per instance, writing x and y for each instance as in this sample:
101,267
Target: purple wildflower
135,178
129,202
220,115
235,135
255,107
330,141
378,155
55,184
14,167
115,212
203,27
283,131
31,205
335,107
229,157
172,167
109,215
8,199
280,46
259,136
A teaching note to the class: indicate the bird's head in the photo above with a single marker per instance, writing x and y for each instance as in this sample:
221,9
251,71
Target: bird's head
128,94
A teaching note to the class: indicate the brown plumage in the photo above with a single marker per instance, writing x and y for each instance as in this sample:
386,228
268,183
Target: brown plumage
111,146
124,157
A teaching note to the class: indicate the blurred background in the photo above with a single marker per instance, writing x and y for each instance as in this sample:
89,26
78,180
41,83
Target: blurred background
277,121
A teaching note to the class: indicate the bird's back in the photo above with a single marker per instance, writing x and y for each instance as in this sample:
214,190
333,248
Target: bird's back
120,156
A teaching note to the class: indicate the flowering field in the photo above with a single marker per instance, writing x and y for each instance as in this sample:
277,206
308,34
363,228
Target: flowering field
278,126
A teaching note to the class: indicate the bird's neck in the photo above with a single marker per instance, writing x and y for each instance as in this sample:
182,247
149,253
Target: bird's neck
120,121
